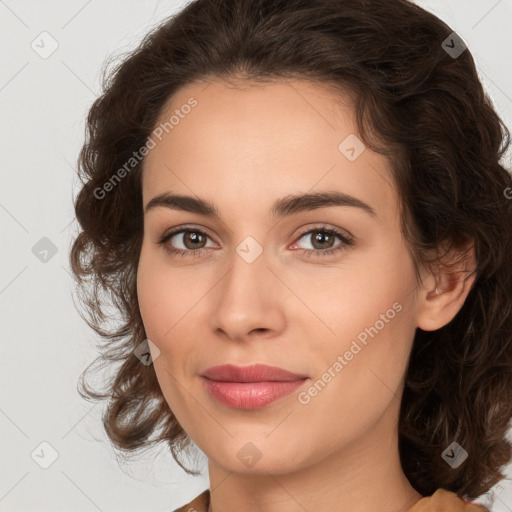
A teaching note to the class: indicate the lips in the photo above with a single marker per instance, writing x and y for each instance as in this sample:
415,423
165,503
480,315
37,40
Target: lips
250,387
253,373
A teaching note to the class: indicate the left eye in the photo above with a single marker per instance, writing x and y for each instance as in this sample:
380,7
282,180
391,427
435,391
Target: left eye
325,236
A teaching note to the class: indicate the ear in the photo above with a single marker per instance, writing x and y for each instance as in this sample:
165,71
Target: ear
442,293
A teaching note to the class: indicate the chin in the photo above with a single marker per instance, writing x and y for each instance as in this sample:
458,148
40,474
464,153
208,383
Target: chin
257,457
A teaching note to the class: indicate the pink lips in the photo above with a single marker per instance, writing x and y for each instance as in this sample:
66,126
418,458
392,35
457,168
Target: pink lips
250,387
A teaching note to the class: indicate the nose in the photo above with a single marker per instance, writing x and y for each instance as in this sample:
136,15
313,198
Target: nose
249,301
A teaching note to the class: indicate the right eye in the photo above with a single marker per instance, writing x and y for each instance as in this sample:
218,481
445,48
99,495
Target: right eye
189,237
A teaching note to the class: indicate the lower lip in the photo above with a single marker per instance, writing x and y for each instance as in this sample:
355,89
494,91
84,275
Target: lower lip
250,395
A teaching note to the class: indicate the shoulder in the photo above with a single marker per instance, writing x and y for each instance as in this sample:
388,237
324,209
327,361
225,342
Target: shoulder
441,501
446,501
198,504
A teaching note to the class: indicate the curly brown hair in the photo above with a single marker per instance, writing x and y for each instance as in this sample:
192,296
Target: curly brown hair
417,102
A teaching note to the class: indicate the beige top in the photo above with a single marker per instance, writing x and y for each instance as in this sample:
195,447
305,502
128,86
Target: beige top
441,500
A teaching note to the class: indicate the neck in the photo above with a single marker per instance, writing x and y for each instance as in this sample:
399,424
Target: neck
364,476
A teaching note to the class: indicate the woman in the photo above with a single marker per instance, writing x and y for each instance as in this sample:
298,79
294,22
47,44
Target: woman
299,211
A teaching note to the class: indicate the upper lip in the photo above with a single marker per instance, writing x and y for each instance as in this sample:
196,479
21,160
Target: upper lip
252,373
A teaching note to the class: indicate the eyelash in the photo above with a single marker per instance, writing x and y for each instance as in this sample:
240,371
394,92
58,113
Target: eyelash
347,241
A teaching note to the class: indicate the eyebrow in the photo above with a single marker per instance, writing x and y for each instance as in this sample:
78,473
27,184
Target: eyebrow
286,206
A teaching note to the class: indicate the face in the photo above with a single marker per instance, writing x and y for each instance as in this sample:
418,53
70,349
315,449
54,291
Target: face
324,290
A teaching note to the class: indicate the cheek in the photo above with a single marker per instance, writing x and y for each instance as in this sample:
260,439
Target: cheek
149,296
366,316
358,374
169,302
340,304
163,312
156,304
164,295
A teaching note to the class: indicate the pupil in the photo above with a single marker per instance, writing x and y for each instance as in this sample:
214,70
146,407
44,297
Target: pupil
319,236
195,237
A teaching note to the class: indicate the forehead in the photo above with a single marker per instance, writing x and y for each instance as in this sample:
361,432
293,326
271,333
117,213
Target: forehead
260,110
251,141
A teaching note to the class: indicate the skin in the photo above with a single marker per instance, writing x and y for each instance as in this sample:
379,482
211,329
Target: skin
243,148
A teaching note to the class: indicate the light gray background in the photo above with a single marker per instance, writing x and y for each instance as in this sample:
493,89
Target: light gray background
45,344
